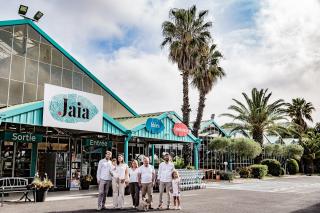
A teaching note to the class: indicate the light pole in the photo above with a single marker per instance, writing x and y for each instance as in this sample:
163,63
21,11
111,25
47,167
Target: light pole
23,11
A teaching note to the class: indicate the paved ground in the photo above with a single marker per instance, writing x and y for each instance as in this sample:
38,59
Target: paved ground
296,194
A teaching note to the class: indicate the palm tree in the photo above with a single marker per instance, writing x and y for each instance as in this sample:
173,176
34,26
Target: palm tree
299,110
311,144
257,116
184,34
204,77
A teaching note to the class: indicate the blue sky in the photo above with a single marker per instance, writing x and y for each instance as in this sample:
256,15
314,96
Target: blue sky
266,44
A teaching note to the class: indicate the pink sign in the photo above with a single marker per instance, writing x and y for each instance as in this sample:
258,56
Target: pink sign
180,129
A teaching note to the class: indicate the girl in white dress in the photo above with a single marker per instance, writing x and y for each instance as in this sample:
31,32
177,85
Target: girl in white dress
115,183
176,189
122,170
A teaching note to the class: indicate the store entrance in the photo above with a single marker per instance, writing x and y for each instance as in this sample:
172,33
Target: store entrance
54,161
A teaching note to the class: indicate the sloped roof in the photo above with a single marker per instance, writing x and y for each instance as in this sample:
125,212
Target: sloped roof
32,114
207,123
66,54
137,125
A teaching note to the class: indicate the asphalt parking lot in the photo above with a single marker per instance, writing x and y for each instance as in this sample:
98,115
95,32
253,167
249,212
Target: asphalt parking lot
292,194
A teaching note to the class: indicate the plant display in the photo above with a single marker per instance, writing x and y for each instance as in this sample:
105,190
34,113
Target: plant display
42,184
178,162
226,175
245,172
87,178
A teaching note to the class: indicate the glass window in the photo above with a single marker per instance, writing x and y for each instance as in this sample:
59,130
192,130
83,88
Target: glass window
96,89
44,73
17,68
76,69
30,93
31,71
56,57
87,84
77,81
4,66
56,75
40,92
45,41
4,91
32,34
9,29
67,79
67,64
20,40
15,96
5,42
45,53
33,49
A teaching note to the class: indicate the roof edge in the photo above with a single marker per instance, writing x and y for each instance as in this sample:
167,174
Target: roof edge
65,53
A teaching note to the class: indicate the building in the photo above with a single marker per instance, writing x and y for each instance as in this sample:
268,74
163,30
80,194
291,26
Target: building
56,117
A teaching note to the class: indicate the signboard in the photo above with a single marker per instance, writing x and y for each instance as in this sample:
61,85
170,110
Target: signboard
72,109
91,142
22,137
154,125
180,129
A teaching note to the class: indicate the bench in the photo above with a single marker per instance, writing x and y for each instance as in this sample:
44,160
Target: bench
15,185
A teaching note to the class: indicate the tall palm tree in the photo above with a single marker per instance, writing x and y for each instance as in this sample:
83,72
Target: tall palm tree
204,77
185,33
300,110
257,115
311,144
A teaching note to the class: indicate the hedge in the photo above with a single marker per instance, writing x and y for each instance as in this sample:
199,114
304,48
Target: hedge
274,166
245,172
293,166
258,170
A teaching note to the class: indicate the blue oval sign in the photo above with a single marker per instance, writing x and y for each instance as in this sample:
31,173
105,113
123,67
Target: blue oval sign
154,125
72,108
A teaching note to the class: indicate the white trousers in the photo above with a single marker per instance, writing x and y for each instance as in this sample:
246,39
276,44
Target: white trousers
118,194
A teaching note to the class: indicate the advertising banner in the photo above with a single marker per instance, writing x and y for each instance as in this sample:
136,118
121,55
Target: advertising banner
72,109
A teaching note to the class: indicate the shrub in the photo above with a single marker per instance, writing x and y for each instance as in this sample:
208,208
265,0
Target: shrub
274,166
220,144
178,162
258,170
294,151
246,147
293,166
245,172
283,171
226,175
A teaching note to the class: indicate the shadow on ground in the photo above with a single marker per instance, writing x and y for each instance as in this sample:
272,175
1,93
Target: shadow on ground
311,209
109,210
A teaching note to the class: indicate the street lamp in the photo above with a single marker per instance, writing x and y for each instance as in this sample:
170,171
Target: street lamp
23,11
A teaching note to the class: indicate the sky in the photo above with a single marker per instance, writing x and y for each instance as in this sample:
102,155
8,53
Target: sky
266,44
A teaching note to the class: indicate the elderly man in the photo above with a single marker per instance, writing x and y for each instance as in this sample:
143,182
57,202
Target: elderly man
165,178
146,178
104,179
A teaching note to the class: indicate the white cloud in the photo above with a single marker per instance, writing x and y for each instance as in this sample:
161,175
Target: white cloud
279,50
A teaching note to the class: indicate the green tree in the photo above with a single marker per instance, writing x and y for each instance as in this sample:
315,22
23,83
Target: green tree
257,116
204,77
311,144
185,34
300,111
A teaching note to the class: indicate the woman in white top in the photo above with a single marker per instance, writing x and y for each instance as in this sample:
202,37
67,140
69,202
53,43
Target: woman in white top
134,184
115,182
122,170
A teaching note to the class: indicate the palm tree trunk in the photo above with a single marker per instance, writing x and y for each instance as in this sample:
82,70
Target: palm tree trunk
201,106
257,136
186,115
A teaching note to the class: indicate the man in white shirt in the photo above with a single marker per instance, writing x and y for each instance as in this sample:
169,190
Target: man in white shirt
146,178
165,178
104,179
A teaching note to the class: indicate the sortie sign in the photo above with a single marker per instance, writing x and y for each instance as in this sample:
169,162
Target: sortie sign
22,137
180,129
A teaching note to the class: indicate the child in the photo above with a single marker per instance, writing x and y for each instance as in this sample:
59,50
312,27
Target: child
176,189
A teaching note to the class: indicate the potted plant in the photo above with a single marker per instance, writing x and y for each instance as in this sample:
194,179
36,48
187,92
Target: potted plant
85,181
41,187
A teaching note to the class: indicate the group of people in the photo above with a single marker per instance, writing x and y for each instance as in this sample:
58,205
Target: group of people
116,173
